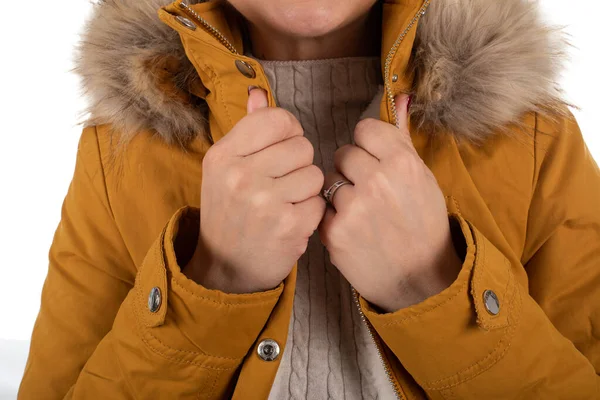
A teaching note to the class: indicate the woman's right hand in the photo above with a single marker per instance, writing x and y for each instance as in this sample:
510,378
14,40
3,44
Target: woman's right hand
260,202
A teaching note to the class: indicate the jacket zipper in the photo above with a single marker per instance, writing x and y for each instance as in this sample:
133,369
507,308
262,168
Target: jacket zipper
388,61
390,56
387,368
390,94
211,29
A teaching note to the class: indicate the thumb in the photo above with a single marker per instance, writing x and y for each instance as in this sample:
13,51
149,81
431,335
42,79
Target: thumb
402,106
257,98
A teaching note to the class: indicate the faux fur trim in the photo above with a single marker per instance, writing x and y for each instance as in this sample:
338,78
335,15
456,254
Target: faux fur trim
479,65
135,73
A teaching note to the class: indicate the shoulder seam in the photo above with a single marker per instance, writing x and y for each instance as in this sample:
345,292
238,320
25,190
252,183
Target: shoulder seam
101,166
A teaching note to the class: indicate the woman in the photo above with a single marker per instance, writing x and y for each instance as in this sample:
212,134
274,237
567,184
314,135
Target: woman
260,210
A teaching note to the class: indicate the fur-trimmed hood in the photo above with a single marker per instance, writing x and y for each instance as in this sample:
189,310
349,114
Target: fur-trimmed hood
479,65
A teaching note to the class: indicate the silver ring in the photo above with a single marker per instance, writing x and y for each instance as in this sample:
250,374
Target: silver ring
328,193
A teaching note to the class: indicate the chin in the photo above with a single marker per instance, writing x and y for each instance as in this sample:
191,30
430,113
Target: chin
303,18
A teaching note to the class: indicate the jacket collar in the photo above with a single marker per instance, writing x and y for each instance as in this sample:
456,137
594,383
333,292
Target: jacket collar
473,66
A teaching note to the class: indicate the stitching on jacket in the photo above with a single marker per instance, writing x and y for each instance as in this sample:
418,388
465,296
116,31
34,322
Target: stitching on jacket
459,212
447,394
219,302
102,171
155,275
477,283
138,279
510,281
218,85
477,278
193,353
489,360
480,259
144,331
214,384
160,276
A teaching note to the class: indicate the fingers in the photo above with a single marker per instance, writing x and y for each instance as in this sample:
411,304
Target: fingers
257,99
261,128
325,225
354,162
284,157
402,101
378,138
383,140
300,184
310,212
343,194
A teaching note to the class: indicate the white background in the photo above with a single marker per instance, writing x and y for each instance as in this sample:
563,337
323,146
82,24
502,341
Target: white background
41,108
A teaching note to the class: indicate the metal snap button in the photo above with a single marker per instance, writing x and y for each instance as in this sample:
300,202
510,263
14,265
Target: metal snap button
186,22
154,299
245,68
268,350
492,304
394,78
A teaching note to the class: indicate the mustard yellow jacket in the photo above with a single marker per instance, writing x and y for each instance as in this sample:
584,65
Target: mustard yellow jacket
118,319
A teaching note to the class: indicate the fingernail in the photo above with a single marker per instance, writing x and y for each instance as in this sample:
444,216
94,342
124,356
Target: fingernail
251,87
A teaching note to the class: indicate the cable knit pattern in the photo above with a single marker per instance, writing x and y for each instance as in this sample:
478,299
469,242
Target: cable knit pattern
329,353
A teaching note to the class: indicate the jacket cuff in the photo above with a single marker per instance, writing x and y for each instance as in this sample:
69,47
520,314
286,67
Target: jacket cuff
453,336
192,321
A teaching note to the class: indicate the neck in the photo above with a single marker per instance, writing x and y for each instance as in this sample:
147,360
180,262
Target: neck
360,38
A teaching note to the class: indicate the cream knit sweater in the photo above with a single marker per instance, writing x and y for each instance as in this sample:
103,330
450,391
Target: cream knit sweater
329,353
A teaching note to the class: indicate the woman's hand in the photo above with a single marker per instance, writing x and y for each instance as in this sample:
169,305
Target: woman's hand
260,202
389,234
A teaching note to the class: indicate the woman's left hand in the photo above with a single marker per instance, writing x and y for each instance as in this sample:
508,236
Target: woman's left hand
389,234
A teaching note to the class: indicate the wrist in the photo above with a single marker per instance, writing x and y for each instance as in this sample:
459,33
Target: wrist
210,273
434,277
206,272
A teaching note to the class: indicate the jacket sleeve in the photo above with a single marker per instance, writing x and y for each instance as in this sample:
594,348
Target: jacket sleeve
95,334
544,343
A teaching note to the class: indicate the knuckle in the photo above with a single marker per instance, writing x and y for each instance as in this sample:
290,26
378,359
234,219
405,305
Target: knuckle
342,152
235,178
283,120
304,149
317,178
309,222
213,156
377,181
260,200
365,126
308,149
